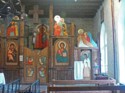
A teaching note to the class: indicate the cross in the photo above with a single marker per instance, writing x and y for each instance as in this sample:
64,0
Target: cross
36,12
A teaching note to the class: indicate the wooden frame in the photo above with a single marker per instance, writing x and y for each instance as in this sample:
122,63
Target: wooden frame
12,29
94,59
26,36
11,57
83,64
40,37
61,56
29,60
29,74
29,71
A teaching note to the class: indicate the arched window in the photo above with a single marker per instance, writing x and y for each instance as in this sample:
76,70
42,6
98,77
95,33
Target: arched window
103,49
121,42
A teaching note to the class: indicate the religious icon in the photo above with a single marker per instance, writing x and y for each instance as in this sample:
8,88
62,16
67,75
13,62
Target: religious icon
12,53
29,60
40,38
42,60
30,71
60,27
42,72
85,57
85,39
61,52
12,29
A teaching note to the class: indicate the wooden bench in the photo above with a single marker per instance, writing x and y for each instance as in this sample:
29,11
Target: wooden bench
87,89
80,86
32,88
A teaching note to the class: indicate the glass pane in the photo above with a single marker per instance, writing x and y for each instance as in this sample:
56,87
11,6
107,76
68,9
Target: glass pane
103,47
121,42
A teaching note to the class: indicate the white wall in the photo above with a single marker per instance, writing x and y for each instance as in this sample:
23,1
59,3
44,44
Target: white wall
108,28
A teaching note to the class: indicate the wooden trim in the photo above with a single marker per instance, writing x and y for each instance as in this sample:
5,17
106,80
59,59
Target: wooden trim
85,88
70,82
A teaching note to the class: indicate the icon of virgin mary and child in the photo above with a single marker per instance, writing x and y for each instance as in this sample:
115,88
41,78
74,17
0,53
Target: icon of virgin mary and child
62,54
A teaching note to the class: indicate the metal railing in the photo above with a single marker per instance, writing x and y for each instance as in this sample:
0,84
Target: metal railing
33,88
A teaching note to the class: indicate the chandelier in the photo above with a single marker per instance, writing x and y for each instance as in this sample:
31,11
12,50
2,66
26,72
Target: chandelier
10,7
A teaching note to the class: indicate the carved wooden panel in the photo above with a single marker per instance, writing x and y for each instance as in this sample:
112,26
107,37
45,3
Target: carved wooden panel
11,74
61,74
35,65
12,52
61,51
42,66
61,64
29,65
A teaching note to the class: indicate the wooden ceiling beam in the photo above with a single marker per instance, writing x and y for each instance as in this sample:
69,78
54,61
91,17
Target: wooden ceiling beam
78,11
78,4
73,8
79,16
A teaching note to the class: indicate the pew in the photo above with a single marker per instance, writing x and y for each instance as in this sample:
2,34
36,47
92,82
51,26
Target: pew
32,88
81,86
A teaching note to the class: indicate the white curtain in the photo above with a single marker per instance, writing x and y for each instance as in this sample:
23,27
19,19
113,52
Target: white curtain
78,70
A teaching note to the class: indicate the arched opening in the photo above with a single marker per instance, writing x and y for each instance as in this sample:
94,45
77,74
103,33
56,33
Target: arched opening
103,49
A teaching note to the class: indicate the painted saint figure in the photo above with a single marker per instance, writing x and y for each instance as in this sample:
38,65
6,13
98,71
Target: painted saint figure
64,27
86,67
62,54
12,29
60,27
11,53
57,26
42,71
30,71
83,39
30,61
40,39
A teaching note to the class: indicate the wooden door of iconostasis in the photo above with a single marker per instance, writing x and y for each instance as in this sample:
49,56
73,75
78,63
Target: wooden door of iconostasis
35,53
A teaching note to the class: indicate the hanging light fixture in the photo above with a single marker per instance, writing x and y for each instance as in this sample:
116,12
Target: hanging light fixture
10,6
3,1
18,2
75,0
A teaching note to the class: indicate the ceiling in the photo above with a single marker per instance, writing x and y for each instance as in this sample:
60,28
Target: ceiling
64,8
